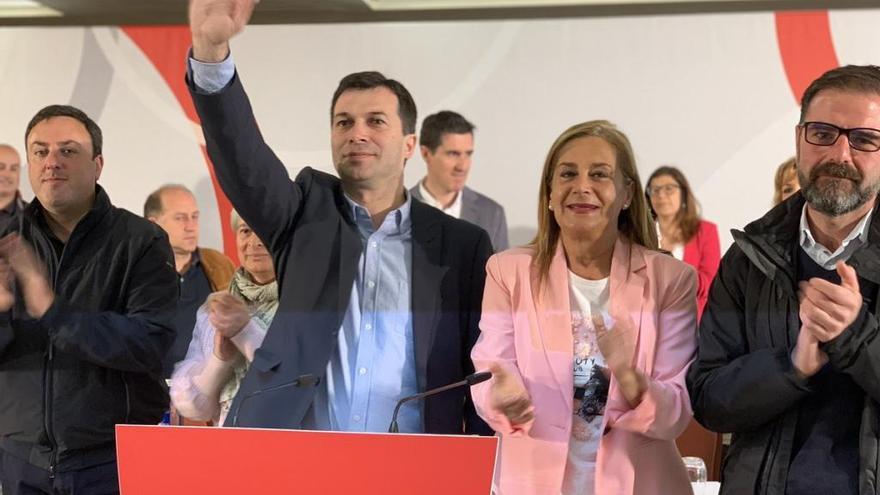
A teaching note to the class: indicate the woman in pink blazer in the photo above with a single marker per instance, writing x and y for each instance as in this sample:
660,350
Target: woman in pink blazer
682,232
589,332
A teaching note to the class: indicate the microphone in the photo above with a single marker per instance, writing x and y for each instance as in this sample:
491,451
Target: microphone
469,380
302,381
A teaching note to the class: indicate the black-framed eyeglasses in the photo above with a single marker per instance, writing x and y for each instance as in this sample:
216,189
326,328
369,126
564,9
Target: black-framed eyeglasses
665,189
825,134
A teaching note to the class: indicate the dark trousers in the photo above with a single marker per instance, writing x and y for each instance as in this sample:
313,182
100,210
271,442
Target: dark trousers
21,478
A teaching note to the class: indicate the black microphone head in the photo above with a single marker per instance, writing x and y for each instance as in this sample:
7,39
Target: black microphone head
479,377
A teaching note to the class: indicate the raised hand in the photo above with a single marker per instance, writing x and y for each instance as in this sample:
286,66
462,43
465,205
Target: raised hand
214,22
6,297
617,346
807,358
616,343
30,273
509,397
827,309
227,314
224,348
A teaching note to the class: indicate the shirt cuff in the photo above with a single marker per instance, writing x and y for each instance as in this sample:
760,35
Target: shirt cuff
213,376
211,77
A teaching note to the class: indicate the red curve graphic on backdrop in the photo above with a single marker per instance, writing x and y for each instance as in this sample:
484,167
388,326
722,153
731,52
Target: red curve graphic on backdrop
166,48
806,47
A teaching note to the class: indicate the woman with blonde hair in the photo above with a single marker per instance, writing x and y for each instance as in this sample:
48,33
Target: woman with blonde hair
589,332
785,182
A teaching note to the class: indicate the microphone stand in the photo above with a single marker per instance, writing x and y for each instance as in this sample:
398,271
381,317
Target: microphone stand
469,380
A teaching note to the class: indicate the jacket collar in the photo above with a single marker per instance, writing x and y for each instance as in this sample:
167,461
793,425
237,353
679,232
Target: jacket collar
36,213
769,243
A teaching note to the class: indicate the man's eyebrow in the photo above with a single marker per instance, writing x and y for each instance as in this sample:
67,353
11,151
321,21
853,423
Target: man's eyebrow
60,143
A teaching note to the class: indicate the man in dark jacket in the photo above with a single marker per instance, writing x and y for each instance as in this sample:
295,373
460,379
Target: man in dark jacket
86,294
789,355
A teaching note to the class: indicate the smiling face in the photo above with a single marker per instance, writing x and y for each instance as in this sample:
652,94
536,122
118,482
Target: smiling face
254,256
369,146
61,166
838,179
588,190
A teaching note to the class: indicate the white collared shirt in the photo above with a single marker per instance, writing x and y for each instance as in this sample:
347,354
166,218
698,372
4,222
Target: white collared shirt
820,254
454,209
677,250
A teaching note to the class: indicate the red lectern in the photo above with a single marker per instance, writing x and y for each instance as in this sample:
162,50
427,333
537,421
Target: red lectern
185,460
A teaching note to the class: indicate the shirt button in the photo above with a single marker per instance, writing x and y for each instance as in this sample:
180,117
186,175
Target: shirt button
374,244
356,418
362,371
368,327
371,284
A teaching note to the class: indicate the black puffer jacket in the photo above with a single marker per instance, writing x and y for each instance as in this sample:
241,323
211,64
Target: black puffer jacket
95,358
743,380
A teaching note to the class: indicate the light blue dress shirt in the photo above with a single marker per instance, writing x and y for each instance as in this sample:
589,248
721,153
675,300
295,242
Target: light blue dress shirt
373,365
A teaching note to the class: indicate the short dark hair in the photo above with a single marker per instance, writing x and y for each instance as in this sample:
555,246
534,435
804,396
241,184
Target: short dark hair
855,78
75,113
360,81
153,205
444,122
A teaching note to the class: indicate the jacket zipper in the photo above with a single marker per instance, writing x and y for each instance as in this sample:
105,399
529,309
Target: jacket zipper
47,407
48,382
127,399
767,473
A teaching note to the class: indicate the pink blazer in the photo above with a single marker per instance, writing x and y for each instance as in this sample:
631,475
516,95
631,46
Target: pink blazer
703,252
528,331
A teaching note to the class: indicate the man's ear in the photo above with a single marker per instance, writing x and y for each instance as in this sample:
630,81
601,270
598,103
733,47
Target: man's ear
409,145
99,164
426,152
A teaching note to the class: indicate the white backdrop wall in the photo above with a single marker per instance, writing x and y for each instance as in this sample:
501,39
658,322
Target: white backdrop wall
708,93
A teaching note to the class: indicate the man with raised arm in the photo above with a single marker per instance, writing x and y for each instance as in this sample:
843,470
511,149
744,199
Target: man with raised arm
379,295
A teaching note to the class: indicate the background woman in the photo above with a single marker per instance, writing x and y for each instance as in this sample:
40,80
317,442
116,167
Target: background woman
230,326
680,229
785,183
588,331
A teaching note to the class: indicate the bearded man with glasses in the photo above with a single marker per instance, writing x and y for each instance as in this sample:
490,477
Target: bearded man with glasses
789,355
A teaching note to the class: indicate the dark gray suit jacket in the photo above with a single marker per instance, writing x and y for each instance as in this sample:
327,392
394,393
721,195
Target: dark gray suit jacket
307,226
482,211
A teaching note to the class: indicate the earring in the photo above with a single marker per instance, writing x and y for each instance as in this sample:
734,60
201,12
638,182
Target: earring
626,206
550,207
